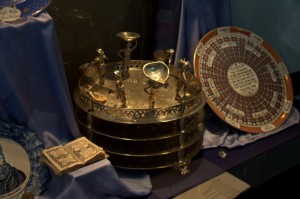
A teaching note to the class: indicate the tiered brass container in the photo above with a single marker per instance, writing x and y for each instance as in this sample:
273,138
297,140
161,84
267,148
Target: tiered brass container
139,137
145,114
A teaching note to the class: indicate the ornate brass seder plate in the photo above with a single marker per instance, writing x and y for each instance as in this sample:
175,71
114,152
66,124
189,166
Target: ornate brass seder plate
102,99
139,135
245,81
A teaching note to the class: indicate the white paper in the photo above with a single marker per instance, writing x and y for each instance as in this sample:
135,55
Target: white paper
223,186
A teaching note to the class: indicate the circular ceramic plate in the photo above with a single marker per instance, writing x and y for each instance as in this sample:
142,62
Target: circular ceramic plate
15,11
245,81
23,175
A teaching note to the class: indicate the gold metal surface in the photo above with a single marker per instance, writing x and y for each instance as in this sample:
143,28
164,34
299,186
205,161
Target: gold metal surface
166,108
157,71
145,114
128,36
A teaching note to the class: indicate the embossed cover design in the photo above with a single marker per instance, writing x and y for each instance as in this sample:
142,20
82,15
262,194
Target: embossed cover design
73,155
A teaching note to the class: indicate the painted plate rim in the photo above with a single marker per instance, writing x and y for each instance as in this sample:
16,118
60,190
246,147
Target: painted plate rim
24,9
33,146
203,62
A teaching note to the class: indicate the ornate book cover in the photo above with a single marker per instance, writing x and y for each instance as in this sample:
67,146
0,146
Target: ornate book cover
73,155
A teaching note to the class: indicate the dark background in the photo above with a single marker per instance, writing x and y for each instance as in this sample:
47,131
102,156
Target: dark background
84,26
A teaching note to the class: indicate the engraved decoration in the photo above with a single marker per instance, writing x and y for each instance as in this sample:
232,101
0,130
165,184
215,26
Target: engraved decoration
137,110
146,114
22,173
245,81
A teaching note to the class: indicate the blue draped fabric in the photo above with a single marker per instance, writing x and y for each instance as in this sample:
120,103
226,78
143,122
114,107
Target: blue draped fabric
182,23
33,89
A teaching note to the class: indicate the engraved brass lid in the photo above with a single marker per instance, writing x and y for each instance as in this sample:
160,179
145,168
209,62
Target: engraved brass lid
104,104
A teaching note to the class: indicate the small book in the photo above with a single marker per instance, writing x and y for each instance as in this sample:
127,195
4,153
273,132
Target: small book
73,155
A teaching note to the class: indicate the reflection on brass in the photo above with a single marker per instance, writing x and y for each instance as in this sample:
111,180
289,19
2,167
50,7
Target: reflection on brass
170,56
137,107
157,71
165,56
151,118
96,67
120,90
125,53
100,59
182,166
160,55
182,79
128,36
152,93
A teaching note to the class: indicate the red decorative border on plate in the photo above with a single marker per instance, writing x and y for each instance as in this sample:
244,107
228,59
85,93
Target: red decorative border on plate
244,79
